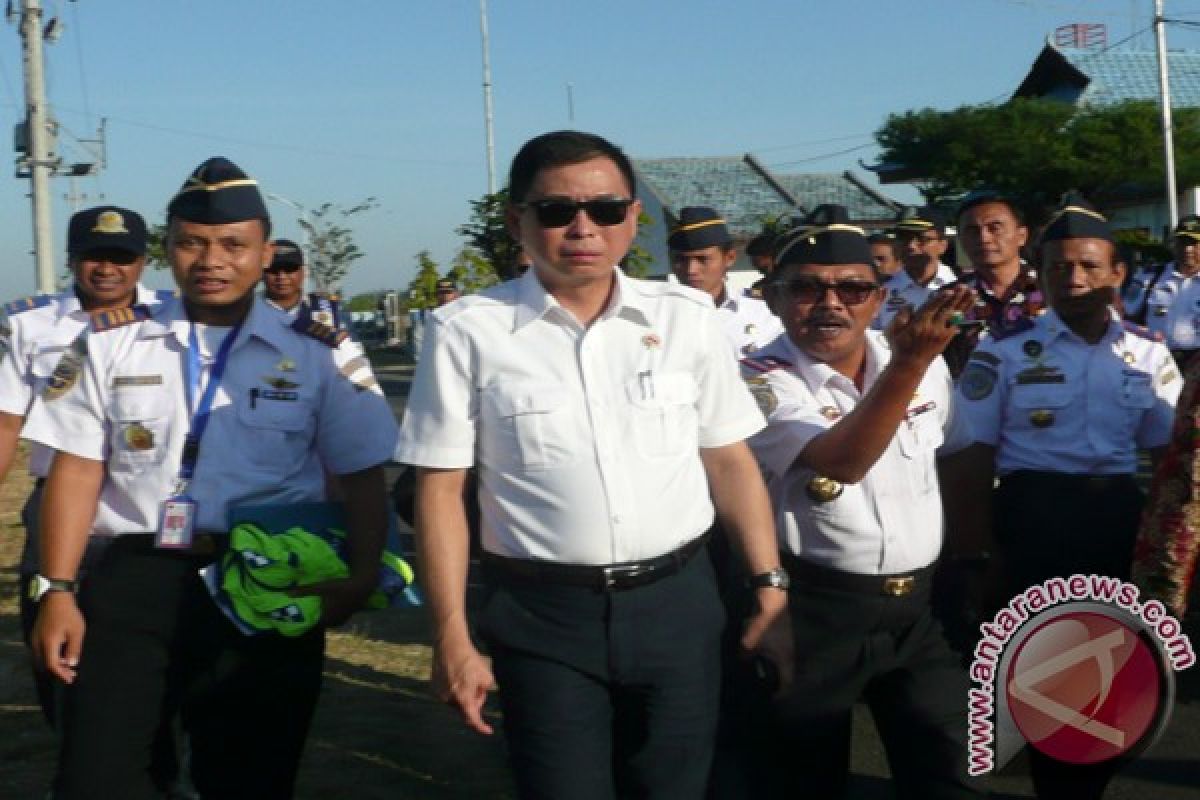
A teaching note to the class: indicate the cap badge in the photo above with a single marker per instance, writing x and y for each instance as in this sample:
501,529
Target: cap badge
110,222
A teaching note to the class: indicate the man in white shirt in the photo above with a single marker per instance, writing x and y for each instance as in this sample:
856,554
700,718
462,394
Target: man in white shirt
601,414
855,425
702,252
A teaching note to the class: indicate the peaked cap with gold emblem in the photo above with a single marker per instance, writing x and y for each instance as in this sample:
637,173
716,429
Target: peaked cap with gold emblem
106,227
826,237
216,193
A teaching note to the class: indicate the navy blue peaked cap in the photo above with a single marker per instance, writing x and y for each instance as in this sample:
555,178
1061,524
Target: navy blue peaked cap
216,193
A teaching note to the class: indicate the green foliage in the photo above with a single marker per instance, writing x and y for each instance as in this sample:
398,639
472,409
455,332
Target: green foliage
421,290
367,301
1142,247
156,246
637,261
1038,149
487,234
472,271
330,249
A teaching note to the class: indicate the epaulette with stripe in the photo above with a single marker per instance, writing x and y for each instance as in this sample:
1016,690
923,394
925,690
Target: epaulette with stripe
1139,331
319,331
28,304
119,318
765,363
1022,325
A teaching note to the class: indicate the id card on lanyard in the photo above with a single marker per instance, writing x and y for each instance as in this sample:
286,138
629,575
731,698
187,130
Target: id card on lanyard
177,523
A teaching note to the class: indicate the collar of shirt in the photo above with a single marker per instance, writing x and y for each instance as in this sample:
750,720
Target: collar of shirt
1054,327
170,319
534,302
731,299
816,374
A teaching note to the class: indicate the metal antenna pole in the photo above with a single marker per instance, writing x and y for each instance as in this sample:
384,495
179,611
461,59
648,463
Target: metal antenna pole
487,99
37,126
1167,128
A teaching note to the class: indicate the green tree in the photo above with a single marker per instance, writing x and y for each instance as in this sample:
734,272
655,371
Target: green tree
1037,150
472,271
330,249
487,234
421,290
637,261
156,246
367,301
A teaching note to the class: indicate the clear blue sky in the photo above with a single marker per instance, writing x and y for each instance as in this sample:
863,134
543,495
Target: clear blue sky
337,101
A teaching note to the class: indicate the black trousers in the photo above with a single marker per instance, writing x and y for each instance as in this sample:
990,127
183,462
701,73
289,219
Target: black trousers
608,694
1049,525
156,645
891,652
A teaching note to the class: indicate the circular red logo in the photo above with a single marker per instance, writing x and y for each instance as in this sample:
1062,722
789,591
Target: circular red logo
1084,687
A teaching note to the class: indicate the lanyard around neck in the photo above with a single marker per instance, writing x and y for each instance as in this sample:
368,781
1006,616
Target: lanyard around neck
202,409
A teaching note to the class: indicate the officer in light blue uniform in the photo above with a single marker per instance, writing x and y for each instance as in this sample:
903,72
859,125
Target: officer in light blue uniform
1060,406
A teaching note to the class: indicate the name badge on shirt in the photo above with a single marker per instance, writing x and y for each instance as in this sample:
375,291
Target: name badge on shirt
177,525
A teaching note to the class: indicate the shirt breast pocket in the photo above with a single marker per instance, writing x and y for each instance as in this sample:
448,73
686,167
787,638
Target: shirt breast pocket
1037,406
533,423
42,365
278,430
663,421
141,428
920,434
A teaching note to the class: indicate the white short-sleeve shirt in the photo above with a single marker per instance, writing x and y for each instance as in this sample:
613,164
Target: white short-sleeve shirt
283,413
1049,401
748,322
889,522
586,440
41,330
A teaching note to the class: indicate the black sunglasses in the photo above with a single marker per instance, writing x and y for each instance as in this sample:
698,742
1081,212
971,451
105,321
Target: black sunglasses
810,290
560,213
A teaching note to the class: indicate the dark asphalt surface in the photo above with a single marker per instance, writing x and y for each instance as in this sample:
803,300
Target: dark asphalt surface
1170,770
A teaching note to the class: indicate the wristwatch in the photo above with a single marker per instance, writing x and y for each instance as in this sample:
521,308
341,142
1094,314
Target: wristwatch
41,584
773,579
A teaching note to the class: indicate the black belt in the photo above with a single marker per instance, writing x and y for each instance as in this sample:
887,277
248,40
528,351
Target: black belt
1069,481
608,578
805,573
203,544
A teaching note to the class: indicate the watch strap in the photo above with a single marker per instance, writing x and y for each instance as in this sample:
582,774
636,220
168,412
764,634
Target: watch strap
771,579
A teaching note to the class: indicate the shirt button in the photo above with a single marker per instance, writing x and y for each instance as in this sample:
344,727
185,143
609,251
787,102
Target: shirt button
616,519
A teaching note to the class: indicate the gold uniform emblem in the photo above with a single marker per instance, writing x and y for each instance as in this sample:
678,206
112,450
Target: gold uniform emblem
138,437
821,489
1041,418
110,222
286,365
765,396
279,382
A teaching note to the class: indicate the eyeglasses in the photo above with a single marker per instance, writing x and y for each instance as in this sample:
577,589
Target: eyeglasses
924,238
810,290
560,213
285,268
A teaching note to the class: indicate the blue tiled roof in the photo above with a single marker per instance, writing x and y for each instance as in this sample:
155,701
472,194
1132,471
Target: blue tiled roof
1115,76
729,184
813,189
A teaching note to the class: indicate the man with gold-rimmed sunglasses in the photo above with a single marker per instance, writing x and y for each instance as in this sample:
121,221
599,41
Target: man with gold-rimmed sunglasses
855,425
